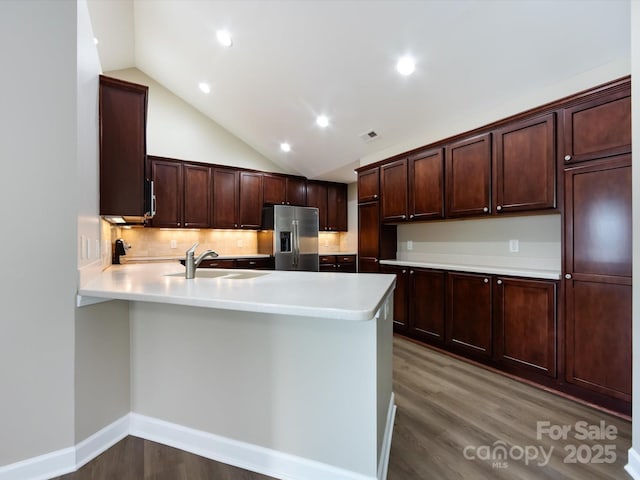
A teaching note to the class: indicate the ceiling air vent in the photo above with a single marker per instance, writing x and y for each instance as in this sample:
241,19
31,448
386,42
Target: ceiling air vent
368,136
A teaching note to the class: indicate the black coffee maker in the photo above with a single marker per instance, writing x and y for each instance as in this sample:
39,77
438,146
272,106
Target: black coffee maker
120,249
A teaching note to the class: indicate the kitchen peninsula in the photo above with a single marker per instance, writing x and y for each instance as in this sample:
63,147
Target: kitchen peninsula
284,373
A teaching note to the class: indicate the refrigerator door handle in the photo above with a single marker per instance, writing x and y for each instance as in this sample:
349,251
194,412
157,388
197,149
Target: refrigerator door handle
296,244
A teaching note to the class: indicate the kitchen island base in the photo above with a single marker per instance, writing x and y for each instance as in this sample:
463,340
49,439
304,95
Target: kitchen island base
288,396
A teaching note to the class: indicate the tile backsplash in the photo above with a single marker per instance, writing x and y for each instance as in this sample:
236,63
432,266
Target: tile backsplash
173,242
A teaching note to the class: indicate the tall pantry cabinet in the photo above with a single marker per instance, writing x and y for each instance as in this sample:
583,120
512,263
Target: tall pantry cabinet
597,243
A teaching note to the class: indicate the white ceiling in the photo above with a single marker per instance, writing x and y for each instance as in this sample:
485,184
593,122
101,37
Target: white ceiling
294,59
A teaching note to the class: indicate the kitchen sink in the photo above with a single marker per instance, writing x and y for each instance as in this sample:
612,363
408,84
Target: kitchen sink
224,275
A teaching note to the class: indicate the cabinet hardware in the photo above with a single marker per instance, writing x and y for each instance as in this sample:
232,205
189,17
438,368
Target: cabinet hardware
411,216
499,207
404,271
485,209
411,272
499,282
375,195
568,276
404,216
486,280
178,223
375,260
235,225
567,158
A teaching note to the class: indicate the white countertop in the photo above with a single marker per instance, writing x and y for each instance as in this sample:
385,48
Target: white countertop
346,296
489,270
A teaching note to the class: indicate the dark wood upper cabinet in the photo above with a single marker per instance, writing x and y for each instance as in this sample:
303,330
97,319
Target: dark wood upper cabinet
426,185
369,237
469,317
250,207
468,174
183,194
225,198
284,190
369,185
337,207
317,197
331,201
167,178
393,191
196,208
598,128
123,150
598,226
296,188
524,167
525,325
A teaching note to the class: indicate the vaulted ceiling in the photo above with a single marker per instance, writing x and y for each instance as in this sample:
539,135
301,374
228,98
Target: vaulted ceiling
292,60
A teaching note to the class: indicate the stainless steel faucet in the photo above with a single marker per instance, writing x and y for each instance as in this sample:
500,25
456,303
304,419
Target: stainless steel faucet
191,262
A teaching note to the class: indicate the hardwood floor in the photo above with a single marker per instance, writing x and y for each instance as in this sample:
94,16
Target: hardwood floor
451,415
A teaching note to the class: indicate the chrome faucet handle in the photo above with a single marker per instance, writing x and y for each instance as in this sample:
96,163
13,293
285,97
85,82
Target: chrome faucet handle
192,250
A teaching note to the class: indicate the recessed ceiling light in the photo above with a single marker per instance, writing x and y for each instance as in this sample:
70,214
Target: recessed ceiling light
406,65
322,121
204,87
224,37
285,147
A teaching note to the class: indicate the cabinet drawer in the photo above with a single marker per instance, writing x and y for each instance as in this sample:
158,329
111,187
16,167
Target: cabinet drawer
224,263
346,259
255,263
327,259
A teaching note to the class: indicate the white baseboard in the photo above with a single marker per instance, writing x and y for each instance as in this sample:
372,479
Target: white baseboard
42,467
91,447
233,452
633,464
240,454
383,464
69,459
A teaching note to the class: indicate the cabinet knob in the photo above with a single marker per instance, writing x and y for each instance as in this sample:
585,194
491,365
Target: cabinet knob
375,260
235,225
499,207
486,280
568,276
178,223
499,282
404,216
485,209
411,216
375,195
404,271
567,158
411,272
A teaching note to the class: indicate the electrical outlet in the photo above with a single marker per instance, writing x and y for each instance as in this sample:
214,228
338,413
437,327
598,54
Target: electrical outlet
97,248
514,246
173,244
409,244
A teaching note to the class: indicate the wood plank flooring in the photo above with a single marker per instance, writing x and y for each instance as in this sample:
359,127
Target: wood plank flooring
446,408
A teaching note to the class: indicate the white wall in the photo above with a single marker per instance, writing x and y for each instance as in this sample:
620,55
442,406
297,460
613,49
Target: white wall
39,195
175,129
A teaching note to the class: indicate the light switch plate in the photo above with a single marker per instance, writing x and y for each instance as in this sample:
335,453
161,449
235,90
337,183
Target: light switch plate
409,244
514,246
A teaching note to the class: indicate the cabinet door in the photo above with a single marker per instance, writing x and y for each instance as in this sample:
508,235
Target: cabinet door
524,169
598,218
274,189
468,174
598,336
468,324
197,196
167,178
400,297
250,200
368,237
426,185
317,197
598,128
525,324
337,207
426,300
225,198
123,150
368,185
346,263
393,187
297,191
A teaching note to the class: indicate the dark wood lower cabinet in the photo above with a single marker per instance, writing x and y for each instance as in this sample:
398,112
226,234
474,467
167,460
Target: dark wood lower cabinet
468,325
427,308
524,313
598,336
401,298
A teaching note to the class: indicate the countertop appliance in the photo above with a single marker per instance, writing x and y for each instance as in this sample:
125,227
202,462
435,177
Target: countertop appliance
290,234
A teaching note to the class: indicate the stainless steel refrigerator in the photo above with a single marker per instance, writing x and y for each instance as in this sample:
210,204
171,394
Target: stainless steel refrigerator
290,234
